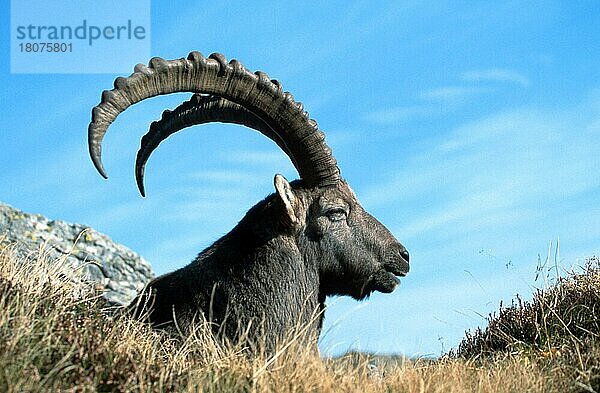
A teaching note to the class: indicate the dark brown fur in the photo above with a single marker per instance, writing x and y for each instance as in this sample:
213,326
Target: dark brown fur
277,266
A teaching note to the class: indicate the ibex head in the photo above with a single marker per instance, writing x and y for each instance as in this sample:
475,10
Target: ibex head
356,253
324,226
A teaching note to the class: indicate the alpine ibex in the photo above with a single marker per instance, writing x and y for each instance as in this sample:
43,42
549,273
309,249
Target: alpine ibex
309,240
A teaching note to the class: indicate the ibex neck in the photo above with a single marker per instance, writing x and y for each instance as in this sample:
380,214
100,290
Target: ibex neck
261,277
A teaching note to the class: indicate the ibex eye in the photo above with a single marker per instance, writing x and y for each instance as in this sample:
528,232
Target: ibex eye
336,214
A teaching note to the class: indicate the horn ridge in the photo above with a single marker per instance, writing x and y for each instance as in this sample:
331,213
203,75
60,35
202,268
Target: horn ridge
232,81
200,109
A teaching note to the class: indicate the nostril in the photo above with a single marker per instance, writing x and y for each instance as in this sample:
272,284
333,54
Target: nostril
404,254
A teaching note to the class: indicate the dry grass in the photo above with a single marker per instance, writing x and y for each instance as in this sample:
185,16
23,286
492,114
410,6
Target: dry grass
560,327
53,337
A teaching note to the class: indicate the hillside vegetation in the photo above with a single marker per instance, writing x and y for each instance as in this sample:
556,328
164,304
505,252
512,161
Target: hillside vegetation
54,336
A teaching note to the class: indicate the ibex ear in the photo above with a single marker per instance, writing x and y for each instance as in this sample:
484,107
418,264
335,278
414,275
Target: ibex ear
287,197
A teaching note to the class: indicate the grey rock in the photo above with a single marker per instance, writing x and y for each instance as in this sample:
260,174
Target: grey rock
114,268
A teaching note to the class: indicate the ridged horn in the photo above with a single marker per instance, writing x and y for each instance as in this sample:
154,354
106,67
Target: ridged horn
254,91
200,109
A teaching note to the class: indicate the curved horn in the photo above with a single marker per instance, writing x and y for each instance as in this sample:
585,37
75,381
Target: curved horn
199,109
254,91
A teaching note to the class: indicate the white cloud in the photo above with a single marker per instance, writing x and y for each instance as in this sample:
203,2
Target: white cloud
399,114
445,306
206,210
65,166
452,93
522,123
412,180
223,176
511,176
122,213
437,103
173,253
496,75
256,157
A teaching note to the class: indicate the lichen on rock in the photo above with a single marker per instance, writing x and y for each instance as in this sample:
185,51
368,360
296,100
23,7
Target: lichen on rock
118,271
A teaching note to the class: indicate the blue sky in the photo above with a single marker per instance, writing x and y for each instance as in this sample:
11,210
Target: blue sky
470,130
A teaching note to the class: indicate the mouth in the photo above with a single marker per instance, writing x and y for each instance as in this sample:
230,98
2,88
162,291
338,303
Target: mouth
397,266
396,271
383,281
386,280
